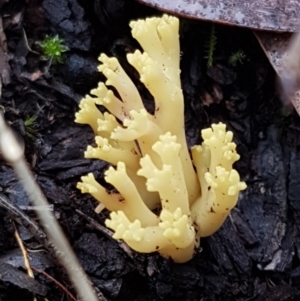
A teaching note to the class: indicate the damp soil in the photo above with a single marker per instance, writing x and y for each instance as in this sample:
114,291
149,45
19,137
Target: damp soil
254,256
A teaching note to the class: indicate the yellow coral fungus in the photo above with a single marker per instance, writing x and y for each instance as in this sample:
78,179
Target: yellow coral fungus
153,167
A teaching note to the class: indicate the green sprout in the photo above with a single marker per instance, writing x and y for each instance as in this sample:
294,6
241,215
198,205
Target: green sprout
30,127
237,57
210,46
53,48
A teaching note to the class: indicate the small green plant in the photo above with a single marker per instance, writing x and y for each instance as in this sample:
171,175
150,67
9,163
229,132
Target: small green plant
237,57
210,46
53,48
30,127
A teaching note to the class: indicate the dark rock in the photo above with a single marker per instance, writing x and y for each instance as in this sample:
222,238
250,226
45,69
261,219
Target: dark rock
40,260
283,292
228,250
54,193
9,274
264,204
67,19
115,15
244,231
94,253
110,287
222,75
81,72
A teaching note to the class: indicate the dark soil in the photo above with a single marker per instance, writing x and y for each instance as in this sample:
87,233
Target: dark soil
254,256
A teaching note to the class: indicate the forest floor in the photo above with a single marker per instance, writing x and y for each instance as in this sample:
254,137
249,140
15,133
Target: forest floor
254,256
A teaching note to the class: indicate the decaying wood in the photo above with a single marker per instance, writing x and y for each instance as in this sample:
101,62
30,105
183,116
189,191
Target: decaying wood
5,72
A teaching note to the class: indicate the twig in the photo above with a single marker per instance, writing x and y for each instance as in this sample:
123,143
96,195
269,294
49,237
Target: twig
27,44
64,289
25,255
23,219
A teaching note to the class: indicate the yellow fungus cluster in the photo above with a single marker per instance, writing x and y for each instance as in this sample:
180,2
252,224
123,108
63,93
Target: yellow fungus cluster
152,165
